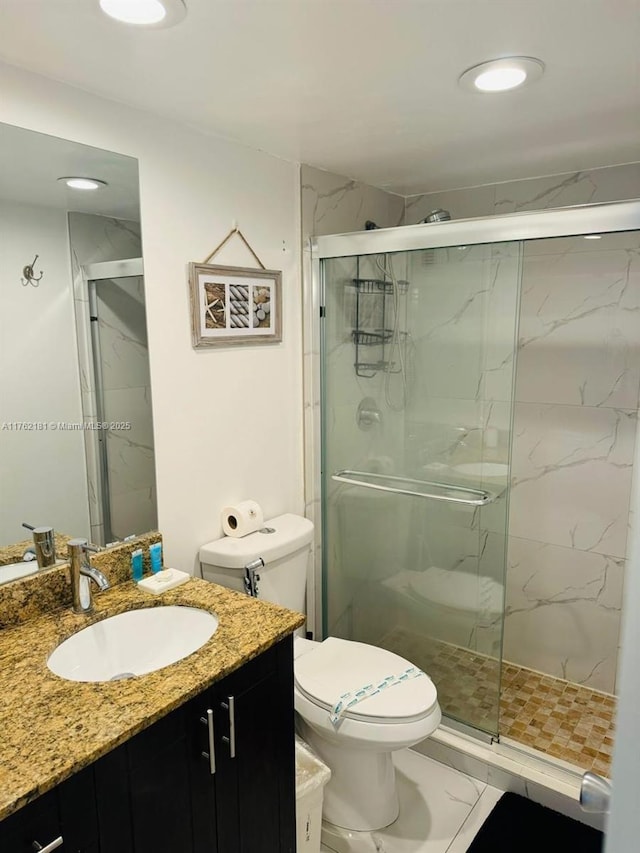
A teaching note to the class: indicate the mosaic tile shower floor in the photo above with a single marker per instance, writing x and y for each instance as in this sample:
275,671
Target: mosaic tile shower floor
556,717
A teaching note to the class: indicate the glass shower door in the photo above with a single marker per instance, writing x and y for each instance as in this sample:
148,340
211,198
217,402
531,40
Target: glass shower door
125,450
418,364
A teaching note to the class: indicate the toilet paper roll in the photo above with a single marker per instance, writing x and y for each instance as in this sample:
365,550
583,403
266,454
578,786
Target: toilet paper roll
242,519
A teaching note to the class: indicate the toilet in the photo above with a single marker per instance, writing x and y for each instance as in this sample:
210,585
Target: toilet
356,704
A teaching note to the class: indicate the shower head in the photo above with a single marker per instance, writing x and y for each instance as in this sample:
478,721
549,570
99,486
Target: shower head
437,215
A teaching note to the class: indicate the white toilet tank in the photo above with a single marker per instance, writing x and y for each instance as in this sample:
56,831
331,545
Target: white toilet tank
284,545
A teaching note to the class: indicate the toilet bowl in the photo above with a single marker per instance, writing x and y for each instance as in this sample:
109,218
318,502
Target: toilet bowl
387,704
361,794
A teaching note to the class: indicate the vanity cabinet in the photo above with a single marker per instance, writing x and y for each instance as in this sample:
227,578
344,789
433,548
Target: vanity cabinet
217,775
36,824
249,716
64,819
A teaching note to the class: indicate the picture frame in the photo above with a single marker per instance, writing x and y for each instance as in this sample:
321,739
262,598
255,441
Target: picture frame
234,305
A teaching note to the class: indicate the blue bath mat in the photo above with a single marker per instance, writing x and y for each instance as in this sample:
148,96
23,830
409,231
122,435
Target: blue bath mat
518,824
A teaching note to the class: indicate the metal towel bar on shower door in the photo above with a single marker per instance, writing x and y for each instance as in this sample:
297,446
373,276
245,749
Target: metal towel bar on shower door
417,488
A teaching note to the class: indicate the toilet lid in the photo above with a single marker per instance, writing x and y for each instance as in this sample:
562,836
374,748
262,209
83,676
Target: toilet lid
337,667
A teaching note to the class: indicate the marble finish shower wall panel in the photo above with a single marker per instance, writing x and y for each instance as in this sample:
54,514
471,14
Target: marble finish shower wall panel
333,204
127,399
463,304
611,183
577,390
576,415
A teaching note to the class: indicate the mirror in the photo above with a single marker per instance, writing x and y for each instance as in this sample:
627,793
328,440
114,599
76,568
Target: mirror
76,433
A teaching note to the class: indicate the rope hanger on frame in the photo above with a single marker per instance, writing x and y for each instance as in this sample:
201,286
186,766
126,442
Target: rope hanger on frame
235,230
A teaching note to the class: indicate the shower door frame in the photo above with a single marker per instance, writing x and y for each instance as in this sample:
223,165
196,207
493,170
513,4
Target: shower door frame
92,274
575,221
506,228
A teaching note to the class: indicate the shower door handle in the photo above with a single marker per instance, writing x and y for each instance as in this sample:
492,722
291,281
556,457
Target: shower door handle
429,489
595,794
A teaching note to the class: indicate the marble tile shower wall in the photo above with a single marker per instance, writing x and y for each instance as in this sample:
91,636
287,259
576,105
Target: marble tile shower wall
612,183
127,398
332,204
576,414
95,239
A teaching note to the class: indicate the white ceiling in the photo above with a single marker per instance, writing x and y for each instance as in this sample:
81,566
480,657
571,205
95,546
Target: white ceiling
31,163
365,88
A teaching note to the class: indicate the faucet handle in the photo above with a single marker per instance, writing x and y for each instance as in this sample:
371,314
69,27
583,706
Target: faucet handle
45,545
84,545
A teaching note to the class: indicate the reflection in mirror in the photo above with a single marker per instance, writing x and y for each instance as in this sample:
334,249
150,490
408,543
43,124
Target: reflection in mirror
76,436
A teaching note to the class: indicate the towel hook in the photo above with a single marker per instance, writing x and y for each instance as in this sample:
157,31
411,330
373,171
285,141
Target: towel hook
30,275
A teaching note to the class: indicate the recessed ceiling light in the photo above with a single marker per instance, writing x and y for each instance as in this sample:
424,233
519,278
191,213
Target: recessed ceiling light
592,236
500,75
150,13
84,183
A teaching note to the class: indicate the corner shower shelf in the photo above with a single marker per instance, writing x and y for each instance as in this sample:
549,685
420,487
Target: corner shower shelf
378,285
367,367
364,338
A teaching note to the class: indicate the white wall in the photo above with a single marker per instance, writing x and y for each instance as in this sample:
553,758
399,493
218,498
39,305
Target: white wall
227,422
40,380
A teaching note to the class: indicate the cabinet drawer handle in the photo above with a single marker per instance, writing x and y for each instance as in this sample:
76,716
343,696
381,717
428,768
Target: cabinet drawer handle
211,755
231,740
38,848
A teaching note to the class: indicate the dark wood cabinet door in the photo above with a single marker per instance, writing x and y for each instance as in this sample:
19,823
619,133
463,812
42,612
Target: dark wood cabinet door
113,802
37,822
203,774
78,814
143,792
160,795
255,756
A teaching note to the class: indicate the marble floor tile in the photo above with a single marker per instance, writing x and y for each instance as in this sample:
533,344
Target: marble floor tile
479,813
435,801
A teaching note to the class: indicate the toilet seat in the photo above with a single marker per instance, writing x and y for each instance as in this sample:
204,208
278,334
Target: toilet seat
336,667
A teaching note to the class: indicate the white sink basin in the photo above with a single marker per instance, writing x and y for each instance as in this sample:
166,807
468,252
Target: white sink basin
132,643
482,469
14,571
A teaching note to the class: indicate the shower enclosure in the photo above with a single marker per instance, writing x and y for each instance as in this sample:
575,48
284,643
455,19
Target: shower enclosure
120,456
419,331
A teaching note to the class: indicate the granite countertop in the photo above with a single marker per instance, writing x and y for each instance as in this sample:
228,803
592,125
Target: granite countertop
51,728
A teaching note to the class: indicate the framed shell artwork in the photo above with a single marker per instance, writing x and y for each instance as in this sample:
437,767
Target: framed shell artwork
234,305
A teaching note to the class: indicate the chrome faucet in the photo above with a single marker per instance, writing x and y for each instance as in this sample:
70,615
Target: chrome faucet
44,544
82,573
